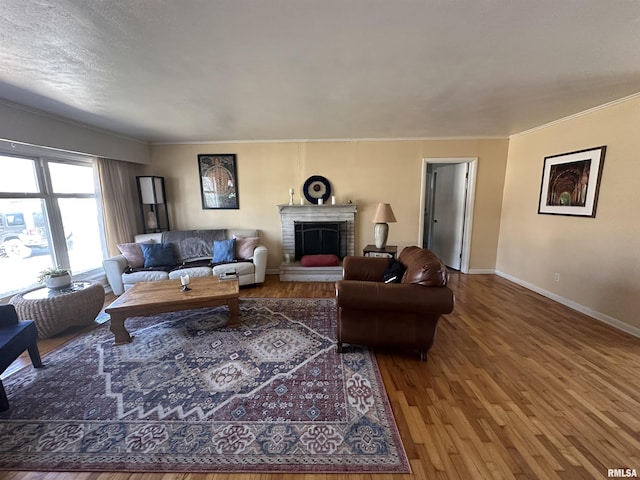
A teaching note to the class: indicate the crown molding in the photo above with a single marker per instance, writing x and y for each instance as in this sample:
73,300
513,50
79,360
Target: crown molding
576,115
328,140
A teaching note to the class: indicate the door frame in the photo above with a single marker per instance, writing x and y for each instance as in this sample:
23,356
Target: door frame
468,214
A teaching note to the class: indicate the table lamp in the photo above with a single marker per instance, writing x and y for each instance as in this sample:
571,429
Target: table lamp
383,216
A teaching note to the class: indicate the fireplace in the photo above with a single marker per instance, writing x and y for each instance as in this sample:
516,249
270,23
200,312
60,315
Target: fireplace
312,238
332,222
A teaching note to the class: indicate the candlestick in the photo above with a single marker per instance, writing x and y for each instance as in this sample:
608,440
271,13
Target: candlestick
184,281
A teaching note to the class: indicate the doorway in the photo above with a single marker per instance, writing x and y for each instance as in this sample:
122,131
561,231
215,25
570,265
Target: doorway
446,213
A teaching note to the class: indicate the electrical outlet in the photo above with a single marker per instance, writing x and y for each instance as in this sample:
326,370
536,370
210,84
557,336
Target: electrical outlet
556,277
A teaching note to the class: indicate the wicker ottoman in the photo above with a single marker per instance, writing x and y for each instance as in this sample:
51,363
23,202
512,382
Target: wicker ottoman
56,310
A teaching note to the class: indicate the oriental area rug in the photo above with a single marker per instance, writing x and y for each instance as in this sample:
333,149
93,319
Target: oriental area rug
191,395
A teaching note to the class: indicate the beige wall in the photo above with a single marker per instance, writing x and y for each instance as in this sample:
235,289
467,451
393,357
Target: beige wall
365,172
597,258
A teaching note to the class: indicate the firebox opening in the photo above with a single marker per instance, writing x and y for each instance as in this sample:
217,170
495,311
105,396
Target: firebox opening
313,238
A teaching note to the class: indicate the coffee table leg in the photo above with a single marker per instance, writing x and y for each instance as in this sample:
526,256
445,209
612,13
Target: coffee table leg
119,330
234,311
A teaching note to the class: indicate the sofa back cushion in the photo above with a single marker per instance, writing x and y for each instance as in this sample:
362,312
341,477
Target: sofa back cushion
423,267
242,232
157,254
245,246
148,237
224,251
133,253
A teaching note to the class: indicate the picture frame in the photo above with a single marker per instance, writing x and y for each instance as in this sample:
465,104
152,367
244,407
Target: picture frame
571,182
218,181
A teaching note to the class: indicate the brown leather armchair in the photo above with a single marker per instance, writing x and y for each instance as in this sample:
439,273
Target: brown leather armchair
396,315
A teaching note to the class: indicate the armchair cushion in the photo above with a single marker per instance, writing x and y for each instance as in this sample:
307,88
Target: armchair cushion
8,316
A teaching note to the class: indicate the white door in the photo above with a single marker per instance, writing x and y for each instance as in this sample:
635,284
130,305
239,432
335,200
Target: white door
449,199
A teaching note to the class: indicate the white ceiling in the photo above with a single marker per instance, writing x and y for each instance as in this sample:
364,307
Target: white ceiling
224,70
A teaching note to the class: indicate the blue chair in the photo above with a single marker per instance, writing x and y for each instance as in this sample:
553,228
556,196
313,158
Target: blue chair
15,338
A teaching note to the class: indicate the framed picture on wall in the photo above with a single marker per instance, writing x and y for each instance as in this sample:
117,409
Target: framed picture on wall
218,181
571,181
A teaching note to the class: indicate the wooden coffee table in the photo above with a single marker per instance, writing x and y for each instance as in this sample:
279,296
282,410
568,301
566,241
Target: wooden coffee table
150,298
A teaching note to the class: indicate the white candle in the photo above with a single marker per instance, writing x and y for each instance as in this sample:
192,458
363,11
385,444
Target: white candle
320,201
333,199
301,201
184,280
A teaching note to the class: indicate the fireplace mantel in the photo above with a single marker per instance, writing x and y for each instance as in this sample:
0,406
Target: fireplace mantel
316,210
313,213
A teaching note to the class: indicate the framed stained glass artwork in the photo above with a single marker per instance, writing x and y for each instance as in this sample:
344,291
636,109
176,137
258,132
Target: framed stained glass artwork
218,181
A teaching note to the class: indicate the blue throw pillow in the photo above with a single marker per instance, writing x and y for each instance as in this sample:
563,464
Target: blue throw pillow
157,254
224,251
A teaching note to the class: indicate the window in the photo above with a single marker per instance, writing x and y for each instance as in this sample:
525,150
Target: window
49,216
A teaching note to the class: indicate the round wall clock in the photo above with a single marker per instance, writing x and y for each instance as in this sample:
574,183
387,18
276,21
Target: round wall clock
316,187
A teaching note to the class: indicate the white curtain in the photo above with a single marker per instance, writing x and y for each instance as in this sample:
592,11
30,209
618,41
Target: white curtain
119,201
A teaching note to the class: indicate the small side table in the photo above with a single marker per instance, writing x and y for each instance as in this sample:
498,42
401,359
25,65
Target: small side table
389,250
56,310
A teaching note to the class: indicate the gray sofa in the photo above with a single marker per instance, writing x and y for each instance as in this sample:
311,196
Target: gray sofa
190,262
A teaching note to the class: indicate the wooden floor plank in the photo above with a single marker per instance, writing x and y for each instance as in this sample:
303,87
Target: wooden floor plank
516,386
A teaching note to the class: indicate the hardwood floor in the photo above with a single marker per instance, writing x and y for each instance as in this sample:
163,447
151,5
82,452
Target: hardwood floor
516,386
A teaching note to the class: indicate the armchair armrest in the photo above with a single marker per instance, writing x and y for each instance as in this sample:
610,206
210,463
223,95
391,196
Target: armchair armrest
114,268
395,297
364,268
260,262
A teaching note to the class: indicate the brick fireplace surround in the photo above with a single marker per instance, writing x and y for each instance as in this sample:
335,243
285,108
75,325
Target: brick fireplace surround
313,213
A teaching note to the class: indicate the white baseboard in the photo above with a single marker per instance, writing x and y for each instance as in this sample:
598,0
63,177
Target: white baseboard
481,271
601,317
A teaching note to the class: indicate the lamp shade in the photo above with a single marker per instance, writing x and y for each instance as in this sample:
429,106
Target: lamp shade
384,214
